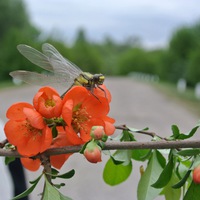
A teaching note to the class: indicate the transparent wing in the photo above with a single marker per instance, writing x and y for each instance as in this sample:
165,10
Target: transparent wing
57,81
35,57
59,63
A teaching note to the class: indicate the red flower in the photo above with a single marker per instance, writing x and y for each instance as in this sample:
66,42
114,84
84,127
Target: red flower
31,164
82,110
64,138
27,130
196,174
48,102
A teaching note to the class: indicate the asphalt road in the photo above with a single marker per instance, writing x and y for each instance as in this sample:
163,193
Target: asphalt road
135,104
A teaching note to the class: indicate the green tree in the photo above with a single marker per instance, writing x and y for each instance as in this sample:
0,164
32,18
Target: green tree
15,29
182,43
85,55
193,71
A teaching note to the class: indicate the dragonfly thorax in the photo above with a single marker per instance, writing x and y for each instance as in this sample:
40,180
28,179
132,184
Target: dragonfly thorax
89,80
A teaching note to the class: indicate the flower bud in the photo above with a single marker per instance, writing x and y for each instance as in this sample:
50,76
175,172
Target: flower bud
196,174
97,132
92,152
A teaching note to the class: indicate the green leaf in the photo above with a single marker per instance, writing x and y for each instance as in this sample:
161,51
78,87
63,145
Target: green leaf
29,190
116,174
54,131
175,131
9,160
51,193
193,192
189,135
140,154
165,176
137,130
122,156
59,185
182,181
145,191
66,175
189,152
169,192
36,180
127,136
161,159
83,147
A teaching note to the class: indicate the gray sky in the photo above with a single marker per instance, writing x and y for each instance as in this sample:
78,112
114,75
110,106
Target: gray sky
152,20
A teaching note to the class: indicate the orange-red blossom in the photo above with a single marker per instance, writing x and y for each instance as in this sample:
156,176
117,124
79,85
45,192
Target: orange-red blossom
30,126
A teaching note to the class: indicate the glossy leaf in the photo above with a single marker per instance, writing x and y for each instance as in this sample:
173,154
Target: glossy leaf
122,156
189,152
54,131
66,175
9,160
175,131
165,176
193,192
182,181
116,174
161,159
29,190
127,136
137,130
188,135
145,191
169,192
140,154
51,193
59,185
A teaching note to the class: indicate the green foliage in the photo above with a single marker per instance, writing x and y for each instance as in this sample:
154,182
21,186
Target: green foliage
29,190
51,193
145,190
193,192
169,192
115,174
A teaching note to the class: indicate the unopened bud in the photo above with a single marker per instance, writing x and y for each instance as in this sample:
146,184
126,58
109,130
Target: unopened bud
196,174
92,152
97,132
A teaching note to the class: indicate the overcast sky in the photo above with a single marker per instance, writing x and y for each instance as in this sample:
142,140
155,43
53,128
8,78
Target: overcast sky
152,20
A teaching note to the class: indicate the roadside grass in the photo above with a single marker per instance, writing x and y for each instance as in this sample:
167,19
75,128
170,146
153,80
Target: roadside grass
186,99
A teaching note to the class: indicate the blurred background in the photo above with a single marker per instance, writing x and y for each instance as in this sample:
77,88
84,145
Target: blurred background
114,38
153,41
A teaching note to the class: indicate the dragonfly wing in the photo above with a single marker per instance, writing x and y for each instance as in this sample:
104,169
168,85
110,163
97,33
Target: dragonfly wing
59,63
35,57
59,82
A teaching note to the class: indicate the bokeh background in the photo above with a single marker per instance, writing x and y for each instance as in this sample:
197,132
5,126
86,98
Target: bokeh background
111,37
134,43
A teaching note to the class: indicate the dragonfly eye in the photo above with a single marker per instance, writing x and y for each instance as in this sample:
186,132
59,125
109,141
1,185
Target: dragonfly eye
101,79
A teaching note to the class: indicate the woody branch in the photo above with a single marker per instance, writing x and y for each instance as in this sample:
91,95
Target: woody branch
113,146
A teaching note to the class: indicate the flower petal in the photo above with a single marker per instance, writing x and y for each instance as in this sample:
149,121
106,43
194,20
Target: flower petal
30,164
15,112
67,111
35,118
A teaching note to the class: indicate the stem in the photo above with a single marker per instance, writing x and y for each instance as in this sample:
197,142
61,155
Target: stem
112,146
45,160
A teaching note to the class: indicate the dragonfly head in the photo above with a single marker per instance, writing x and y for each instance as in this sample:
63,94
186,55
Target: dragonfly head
99,79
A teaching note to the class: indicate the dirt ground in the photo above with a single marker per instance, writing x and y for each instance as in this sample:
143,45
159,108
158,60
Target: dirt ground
136,104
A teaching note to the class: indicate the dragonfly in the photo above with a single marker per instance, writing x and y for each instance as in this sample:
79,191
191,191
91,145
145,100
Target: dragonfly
63,73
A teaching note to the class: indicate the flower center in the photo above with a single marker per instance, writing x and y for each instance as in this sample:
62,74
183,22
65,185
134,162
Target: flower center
31,131
50,103
80,117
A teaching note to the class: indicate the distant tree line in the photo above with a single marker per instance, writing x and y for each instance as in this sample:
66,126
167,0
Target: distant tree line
181,59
